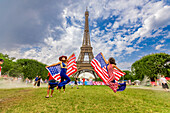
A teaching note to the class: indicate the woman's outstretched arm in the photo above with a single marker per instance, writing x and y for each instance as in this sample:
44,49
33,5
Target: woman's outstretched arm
118,69
104,58
54,64
69,57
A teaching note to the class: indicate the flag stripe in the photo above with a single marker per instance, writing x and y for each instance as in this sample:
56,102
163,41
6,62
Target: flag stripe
103,73
98,71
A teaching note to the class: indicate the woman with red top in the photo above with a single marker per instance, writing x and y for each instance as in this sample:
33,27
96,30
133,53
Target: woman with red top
110,69
110,65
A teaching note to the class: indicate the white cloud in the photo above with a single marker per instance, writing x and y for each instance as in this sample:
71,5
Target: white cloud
109,25
162,41
112,42
168,35
130,50
116,25
50,51
94,24
158,47
158,20
125,65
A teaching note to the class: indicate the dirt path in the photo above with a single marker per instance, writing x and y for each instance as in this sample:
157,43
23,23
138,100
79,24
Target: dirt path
149,88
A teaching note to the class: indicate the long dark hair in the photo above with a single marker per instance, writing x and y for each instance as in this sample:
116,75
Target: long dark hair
1,60
112,60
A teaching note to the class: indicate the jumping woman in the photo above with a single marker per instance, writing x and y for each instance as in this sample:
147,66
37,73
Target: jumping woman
63,64
110,65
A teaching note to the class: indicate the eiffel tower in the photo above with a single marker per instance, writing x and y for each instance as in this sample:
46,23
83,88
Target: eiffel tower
86,54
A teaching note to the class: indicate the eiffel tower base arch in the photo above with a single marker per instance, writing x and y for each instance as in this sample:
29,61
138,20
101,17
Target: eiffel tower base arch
86,70
85,67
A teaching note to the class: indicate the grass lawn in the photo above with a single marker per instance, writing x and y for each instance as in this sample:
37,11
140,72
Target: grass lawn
86,99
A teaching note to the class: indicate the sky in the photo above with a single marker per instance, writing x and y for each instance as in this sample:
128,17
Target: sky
46,29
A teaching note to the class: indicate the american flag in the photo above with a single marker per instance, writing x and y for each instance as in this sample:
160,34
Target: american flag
71,68
99,65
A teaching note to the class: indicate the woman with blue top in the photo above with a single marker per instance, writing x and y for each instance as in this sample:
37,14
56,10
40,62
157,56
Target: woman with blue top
63,63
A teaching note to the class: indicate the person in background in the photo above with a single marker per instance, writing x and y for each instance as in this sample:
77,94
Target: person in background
1,62
26,80
51,85
83,81
36,81
76,83
164,83
41,81
45,81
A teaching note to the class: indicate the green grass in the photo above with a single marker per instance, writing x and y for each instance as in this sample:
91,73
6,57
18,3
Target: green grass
86,99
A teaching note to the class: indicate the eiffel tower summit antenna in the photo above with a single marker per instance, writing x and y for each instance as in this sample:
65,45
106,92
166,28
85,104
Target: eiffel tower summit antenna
86,53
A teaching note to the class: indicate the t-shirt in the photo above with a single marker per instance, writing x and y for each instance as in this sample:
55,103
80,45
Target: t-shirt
50,77
163,80
36,78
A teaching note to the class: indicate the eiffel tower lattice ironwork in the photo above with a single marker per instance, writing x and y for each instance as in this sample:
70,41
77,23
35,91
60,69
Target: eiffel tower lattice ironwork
86,54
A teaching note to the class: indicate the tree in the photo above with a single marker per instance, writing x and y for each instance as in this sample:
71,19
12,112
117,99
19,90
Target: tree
23,67
7,65
16,70
128,76
151,65
99,79
32,68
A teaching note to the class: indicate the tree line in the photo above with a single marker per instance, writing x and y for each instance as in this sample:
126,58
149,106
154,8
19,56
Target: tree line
150,65
26,68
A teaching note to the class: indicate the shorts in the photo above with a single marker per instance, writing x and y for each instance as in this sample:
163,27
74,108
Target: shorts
52,84
165,86
52,88
52,81
75,82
